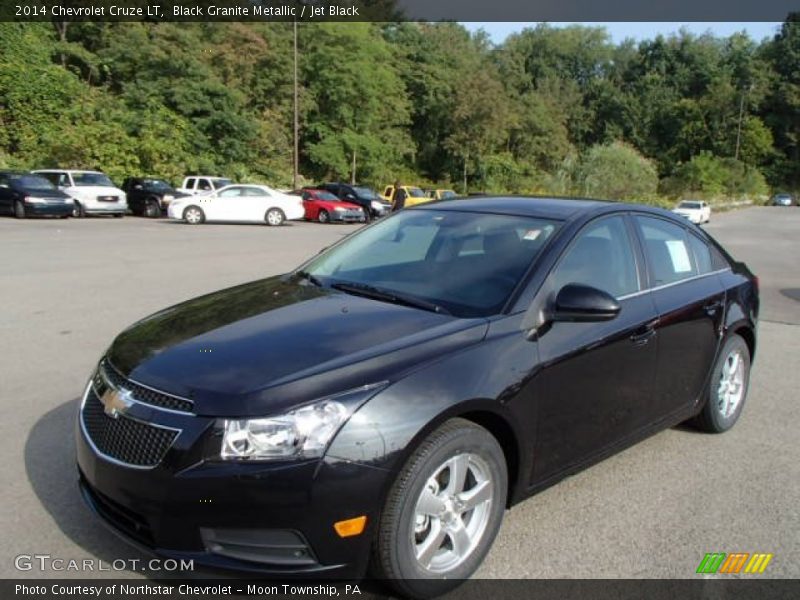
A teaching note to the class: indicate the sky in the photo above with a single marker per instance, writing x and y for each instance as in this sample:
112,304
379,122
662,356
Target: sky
638,31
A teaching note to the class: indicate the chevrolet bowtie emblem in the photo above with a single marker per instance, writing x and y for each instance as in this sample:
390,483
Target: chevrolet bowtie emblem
116,402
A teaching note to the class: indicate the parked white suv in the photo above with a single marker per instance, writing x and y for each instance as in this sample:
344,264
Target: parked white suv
696,211
203,184
93,192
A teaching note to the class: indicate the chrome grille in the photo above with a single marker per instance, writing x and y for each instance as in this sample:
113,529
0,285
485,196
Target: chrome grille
122,438
139,392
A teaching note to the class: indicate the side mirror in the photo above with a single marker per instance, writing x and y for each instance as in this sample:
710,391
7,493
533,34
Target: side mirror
584,304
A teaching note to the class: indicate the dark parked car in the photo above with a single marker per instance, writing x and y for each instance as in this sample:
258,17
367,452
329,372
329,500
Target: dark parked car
384,402
25,194
149,197
365,197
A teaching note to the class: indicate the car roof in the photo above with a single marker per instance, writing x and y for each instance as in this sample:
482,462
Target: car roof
523,206
68,171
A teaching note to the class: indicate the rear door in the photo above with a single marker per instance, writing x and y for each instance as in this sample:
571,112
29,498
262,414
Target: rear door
690,300
597,377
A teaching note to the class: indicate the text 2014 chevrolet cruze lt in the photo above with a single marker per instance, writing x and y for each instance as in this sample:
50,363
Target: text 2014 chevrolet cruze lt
385,403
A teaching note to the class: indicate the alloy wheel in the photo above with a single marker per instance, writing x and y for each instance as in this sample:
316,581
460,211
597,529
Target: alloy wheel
452,513
731,384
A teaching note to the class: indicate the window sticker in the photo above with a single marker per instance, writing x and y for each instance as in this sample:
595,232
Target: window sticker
679,256
532,234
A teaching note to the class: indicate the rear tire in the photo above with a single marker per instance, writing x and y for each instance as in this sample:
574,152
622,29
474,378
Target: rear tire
442,512
274,217
194,215
118,215
727,389
19,210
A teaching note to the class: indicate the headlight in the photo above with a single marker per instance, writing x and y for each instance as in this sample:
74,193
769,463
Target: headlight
340,209
376,205
302,433
168,198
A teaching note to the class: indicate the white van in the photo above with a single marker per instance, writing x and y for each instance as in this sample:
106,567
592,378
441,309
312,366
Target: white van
93,192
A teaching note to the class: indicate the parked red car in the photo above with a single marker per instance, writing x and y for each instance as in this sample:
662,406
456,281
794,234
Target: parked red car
324,207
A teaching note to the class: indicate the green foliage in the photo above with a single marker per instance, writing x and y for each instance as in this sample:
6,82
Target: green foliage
708,176
551,110
617,172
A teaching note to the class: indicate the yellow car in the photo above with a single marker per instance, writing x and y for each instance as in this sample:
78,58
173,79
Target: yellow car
414,195
441,194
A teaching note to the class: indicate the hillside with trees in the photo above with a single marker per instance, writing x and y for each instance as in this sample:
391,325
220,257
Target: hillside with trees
551,110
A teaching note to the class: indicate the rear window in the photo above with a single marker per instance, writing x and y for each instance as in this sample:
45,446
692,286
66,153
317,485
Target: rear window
690,205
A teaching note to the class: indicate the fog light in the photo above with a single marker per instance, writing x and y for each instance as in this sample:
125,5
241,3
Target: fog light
350,527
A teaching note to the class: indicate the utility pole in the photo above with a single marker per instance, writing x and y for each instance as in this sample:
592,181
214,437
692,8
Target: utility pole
741,116
353,170
296,120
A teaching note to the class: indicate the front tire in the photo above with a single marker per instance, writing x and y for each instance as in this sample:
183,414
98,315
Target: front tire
152,209
274,217
19,210
194,215
78,211
727,389
323,216
442,512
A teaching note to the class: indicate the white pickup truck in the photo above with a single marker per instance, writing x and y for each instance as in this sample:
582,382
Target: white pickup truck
203,184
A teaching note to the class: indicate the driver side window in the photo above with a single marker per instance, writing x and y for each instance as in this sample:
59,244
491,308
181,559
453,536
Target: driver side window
601,256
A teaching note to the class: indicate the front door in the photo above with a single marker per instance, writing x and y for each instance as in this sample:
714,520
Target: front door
596,378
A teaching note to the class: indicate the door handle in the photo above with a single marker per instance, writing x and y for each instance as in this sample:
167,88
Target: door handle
713,307
644,334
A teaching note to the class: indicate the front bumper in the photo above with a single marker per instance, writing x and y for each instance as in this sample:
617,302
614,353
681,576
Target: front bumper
267,518
347,217
61,209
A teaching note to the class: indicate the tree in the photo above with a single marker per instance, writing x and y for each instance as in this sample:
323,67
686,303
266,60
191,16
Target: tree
617,172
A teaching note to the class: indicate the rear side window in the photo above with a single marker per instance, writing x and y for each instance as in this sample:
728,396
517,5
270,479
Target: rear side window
668,253
601,257
702,254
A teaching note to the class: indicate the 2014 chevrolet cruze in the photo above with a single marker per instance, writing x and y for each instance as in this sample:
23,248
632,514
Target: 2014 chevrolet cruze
386,402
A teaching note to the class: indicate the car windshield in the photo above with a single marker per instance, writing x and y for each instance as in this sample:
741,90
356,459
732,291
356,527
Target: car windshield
158,185
34,182
415,192
467,264
365,192
447,194
325,196
92,179
692,205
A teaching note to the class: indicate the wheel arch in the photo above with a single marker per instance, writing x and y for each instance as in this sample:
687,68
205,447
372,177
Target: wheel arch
747,333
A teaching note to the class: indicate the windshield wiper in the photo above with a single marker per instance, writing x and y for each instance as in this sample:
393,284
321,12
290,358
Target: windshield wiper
369,291
309,277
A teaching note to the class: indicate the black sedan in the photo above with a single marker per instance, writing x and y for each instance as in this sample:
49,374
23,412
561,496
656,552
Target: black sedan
148,197
25,194
386,402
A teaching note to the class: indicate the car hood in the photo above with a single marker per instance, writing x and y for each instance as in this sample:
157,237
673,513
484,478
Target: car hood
96,190
45,193
263,347
331,204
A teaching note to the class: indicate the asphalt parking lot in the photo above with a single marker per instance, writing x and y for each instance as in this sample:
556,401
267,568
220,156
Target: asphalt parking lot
652,511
